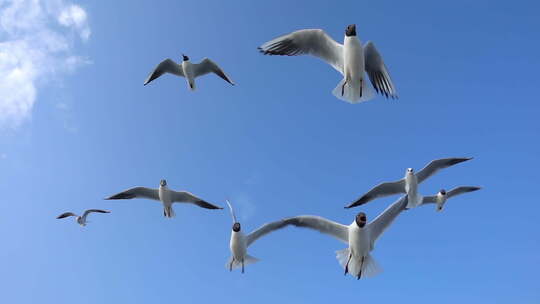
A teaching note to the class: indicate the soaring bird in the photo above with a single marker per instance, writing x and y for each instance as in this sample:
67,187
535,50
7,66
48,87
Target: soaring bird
165,195
359,235
81,219
409,184
188,70
351,59
442,196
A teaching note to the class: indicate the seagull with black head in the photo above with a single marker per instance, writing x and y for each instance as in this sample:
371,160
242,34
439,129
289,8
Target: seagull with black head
188,70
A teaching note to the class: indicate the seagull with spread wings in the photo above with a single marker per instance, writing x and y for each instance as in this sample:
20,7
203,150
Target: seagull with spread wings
165,195
188,70
81,219
240,241
359,235
409,184
351,59
442,196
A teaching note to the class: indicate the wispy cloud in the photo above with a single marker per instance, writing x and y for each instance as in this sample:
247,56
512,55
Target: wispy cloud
36,43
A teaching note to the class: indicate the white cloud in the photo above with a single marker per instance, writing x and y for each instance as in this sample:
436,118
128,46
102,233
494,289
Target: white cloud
75,16
35,44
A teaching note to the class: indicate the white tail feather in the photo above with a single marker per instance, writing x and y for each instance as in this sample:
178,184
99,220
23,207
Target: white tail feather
351,91
238,263
370,268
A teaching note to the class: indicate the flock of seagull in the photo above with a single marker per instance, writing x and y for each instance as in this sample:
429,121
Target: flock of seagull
353,61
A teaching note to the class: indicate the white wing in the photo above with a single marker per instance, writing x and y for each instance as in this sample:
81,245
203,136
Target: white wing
377,71
232,212
313,42
93,210
429,199
339,231
65,214
263,230
437,165
383,221
186,197
381,190
136,192
461,190
166,66
208,66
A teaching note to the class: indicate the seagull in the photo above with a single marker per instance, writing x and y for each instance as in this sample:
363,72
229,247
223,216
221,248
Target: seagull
188,70
361,238
165,195
240,242
408,184
81,219
442,196
351,59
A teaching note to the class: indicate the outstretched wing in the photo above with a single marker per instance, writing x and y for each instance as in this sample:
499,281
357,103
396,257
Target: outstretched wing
65,214
186,197
383,221
429,199
437,165
208,66
166,66
232,211
339,231
377,71
263,230
461,190
381,190
136,192
312,41
94,210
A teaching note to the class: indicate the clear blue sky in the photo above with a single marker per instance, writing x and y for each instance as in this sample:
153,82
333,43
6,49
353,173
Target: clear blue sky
277,144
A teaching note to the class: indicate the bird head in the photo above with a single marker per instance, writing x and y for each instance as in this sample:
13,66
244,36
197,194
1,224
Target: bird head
185,58
236,227
410,171
350,30
441,199
361,219
163,183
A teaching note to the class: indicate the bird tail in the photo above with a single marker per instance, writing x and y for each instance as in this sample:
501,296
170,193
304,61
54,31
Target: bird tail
369,266
238,263
191,85
352,92
168,211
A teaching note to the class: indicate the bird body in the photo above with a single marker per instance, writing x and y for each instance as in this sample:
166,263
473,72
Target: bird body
187,68
411,188
238,245
359,240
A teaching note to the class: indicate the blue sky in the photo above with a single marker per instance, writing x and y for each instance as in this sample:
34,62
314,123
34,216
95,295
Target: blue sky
77,125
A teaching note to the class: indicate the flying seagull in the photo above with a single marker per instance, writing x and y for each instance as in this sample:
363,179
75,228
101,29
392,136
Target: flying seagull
165,195
81,219
409,184
240,241
351,59
188,70
442,196
361,237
